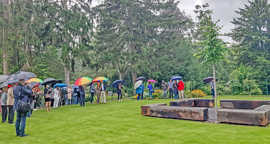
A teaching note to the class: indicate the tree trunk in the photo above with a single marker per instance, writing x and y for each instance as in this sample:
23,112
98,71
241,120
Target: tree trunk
120,75
134,77
215,87
5,35
67,75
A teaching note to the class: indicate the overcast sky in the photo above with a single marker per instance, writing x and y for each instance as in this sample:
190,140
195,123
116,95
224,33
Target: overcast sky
224,10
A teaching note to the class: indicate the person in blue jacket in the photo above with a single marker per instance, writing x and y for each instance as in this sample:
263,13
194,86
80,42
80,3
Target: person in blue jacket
139,92
23,93
151,90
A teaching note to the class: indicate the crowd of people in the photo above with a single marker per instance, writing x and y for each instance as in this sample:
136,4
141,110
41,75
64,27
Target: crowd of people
175,89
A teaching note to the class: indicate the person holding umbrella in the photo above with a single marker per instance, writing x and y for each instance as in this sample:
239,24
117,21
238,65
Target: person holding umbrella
150,88
119,92
103,93
56,95
175,90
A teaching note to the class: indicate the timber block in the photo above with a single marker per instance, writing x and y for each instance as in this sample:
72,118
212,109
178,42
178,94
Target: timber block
193,103
145,110
265,108
187,113
242,104
240,116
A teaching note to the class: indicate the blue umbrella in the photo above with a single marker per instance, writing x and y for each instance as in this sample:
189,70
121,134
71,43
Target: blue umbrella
60,85
115,83
176,78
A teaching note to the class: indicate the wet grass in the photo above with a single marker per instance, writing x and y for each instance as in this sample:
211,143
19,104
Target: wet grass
122,123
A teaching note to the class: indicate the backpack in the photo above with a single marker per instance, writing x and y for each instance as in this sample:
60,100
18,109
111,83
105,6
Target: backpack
23,107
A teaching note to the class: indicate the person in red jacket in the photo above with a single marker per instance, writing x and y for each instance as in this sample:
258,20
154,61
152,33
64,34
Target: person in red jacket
181,87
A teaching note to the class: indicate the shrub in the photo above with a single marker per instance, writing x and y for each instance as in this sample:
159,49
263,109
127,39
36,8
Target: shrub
197,93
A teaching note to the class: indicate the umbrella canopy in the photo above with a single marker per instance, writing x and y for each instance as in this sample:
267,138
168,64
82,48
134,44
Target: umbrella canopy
152,81
33,84
10,82
208,79
116,83
176,78
50,81
61,85
22,75
99,79
83,81
36,80
140,78
3,85
3,78
137,84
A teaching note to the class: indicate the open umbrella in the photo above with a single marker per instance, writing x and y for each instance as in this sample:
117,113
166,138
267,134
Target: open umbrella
50,81
116,83
33,84
61,85
99,79
176,78
3,78
140,78
3,85
22,75
137,84
83,81
36,80
152,81
208,79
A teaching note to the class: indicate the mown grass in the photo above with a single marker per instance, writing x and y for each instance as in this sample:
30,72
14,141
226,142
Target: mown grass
122,123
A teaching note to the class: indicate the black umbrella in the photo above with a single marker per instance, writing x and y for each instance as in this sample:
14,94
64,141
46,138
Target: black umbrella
140,78
22,75
49,81
208,79
116,83
176,78
3,78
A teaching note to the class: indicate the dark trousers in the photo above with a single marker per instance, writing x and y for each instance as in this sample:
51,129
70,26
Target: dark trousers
119,93
82,100
171,92
20,123
4,113
92,97
213,93
10,114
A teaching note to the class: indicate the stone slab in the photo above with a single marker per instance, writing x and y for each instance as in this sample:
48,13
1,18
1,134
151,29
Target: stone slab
145,110
193,103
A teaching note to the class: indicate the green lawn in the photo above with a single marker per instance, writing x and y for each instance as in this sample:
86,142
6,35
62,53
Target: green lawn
122,123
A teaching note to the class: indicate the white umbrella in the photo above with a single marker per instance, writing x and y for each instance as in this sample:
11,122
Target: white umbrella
137,84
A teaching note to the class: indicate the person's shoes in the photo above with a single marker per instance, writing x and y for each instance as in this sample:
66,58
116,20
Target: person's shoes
24,135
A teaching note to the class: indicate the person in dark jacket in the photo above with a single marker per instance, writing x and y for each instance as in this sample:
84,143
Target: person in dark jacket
23,93
119,92
92,92
81,96
4,98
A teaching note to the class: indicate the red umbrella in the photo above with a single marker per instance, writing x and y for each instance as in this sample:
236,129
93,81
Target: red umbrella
152,81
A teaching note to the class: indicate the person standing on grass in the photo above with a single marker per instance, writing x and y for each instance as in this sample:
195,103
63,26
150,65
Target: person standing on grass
139,92
103,93
181,87
98,91
170,88
10,103
92,92
150,88
119,92
48,95
175,90
21,93
165,88
56,95
82,96
4,98
69,95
